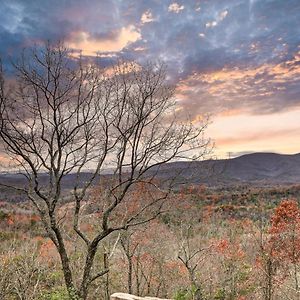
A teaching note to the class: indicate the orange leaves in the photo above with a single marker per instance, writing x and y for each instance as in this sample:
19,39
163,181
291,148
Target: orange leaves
193,190
285,231
229,249
35,218
286,214
222,246
21,219
45,248
175,266
10,220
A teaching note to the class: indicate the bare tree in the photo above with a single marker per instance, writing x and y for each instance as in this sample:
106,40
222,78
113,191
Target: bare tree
191,257
129,254
65,115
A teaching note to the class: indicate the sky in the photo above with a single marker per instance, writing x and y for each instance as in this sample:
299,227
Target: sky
236,60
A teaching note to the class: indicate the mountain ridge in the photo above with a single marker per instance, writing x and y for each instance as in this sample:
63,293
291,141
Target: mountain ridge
253,168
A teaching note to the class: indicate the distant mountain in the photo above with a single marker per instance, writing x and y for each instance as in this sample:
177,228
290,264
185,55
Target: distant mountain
266,166
254,169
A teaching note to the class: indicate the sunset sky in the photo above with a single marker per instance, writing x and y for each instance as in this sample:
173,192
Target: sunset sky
237,60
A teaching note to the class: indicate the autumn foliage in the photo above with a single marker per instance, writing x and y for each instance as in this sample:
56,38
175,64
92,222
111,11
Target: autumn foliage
228,256
285,230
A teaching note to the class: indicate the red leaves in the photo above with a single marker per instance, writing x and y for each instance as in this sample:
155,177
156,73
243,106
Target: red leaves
222,246
230,249
10,220
21,219
286,214
285,231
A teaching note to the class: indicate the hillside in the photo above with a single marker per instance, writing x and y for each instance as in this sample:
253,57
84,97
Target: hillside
254,169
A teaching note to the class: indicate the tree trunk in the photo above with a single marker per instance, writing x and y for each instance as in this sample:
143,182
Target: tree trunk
129,283
106,266
269,285
87,271
65,262
198,293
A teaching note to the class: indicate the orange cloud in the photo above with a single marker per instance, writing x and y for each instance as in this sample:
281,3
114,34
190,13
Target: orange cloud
241,88
230,112
90,46
279,132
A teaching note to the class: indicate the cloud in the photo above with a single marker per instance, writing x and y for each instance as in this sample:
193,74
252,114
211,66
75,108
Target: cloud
147,17
255,40
228,58
90,46
175,7
211,24
241,132
220,17
267,88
